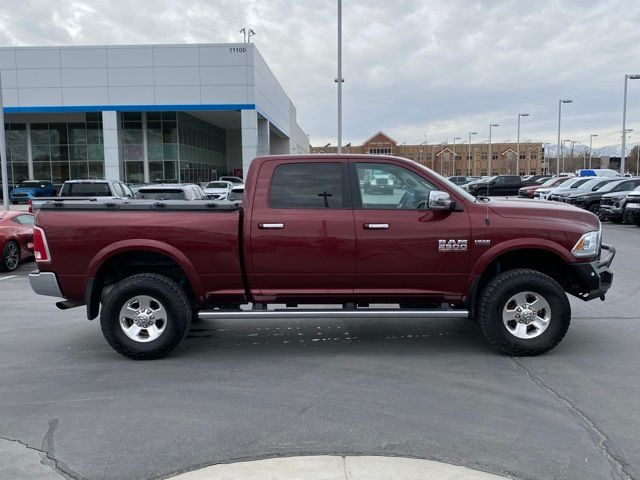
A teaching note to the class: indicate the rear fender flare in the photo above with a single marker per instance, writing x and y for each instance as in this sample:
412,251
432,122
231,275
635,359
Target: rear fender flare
152,246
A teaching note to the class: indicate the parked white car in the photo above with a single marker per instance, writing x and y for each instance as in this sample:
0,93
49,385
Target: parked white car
543,193
235,197
218,190
234,180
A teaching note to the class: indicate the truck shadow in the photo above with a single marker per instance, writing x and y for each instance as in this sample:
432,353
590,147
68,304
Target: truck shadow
345,335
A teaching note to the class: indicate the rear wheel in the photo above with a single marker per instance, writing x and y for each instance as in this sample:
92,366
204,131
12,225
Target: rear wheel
10,256
523,312
145,316
595,209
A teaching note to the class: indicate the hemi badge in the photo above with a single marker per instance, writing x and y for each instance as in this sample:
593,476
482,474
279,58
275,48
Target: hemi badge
482,242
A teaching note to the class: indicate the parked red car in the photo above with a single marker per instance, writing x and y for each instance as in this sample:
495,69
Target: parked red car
16,236
528,191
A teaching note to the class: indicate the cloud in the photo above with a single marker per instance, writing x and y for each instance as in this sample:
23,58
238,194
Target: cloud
412,68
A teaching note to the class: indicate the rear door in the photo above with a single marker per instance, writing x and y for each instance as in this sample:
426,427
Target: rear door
302,231
405,251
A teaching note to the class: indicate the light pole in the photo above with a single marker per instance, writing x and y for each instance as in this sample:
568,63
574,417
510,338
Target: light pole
491,125
560,102
339,80
590,147
520,115
453,164
624,121
3,155
469,154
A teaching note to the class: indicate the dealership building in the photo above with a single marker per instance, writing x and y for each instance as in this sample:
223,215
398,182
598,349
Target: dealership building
142,113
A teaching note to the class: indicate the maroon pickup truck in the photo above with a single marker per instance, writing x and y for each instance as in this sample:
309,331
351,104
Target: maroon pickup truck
308,233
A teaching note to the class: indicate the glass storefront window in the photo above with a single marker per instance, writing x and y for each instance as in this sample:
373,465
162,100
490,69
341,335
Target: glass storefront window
156,171
60,171
40,153
40,133
78,170
42,170
77,134
133,172
96,170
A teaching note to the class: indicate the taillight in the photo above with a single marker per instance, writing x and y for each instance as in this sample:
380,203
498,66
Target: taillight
40,247
30,206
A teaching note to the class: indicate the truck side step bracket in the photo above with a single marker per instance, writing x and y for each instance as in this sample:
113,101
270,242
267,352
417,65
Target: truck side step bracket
357,313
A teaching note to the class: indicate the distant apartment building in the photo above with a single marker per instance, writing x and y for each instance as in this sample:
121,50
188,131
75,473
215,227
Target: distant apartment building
449,160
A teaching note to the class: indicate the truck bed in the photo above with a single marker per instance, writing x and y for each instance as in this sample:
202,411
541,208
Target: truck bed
199,236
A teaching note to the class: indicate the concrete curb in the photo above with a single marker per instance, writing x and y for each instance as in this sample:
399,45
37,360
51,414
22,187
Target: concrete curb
337,468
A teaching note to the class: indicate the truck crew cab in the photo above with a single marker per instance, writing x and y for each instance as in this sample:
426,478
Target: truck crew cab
308,232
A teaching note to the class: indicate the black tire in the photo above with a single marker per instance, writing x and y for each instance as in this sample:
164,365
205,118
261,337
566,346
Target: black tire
636,221
494,297
595,209
10,264
482,192
172,298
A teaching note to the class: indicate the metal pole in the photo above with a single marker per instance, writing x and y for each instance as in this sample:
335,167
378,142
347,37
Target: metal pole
469,157
624,126
590,150
339,76
3,154
491,125
637,159
558,153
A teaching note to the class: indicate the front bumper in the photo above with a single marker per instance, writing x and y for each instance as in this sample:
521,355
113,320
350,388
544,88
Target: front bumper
593,279
633,211
610,211
45,283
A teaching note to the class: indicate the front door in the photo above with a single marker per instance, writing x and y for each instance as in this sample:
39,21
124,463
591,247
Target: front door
404,250
302,232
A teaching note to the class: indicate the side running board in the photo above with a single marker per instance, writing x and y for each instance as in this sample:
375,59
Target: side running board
355,313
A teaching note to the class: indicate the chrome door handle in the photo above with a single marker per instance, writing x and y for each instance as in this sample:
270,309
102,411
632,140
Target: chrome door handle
376,226
271,226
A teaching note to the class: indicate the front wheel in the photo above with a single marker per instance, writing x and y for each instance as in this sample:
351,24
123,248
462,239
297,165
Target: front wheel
145,316
523,312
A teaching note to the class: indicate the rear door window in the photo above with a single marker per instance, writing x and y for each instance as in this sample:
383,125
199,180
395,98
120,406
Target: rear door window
308,185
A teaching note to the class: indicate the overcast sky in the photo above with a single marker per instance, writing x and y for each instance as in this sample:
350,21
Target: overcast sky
412,68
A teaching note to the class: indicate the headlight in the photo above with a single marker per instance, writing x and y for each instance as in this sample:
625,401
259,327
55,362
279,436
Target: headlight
588,245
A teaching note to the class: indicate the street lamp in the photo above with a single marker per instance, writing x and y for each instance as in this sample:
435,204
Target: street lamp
339,80
560,102
491,125
469,154
453,164
3,155
590,147
624,121
518,149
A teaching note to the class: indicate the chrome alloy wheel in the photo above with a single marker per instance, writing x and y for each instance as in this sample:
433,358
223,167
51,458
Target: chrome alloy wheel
526,315
11,256
143,318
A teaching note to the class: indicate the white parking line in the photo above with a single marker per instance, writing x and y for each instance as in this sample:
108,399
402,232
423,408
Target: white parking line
8,277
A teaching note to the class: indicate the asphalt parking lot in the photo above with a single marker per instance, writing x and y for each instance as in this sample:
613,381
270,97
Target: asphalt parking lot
248,390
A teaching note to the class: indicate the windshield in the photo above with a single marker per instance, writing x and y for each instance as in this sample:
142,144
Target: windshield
160,194
452,186
609,186
31,184
217,185
596,182
552,182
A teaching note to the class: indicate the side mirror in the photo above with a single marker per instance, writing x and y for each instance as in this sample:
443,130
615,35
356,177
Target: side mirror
439,201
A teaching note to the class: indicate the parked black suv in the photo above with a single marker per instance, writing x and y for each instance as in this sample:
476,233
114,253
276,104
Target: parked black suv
591,200
612,205
498,185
